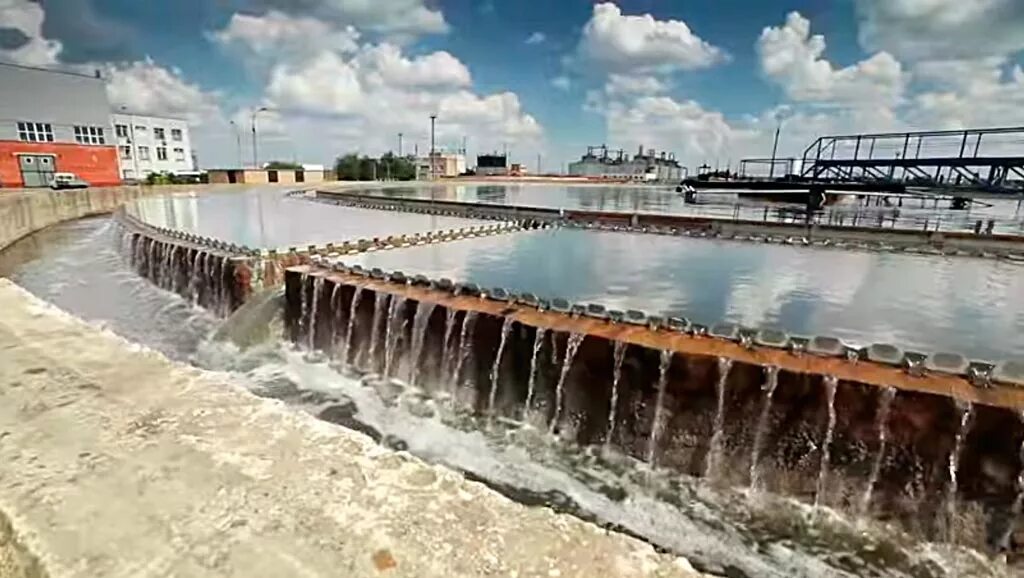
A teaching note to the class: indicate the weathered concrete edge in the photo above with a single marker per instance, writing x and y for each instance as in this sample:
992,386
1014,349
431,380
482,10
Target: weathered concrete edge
44,208
203,400
662,337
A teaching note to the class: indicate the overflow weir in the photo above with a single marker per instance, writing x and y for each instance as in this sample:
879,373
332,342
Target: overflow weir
795,230
930,444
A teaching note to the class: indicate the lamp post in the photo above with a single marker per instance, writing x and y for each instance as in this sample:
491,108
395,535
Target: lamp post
238,142
780,117
433,120
399,145
255,150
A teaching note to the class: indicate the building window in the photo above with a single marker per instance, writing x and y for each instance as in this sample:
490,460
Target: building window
129,174
143,153
176,134
158,133
89,135
35,132
140,130
179,155
161,153
121,130
126,152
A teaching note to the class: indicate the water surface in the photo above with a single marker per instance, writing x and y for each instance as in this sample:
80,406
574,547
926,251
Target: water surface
269,218
923,303
908,213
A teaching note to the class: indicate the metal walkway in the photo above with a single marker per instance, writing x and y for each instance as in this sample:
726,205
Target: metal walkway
991,159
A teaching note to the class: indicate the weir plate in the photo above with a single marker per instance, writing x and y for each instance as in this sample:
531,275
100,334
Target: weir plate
780,292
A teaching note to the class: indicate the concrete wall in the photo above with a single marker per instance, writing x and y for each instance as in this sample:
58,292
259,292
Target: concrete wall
24,213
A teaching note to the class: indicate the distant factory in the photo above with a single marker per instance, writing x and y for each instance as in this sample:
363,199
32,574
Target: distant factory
649,166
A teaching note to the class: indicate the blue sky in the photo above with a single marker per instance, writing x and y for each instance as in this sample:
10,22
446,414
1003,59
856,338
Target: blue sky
706,79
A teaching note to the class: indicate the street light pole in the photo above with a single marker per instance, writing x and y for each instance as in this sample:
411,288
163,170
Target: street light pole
399,145
255,150
238,142
433,119
775,150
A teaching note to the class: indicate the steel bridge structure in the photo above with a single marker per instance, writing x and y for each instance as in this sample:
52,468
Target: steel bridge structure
991,159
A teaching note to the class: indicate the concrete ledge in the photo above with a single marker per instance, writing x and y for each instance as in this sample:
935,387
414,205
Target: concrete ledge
116,462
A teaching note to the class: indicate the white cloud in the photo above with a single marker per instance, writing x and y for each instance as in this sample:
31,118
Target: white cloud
624,43
562,83
277,35
792,57
942,29
145,87
537,38
324,84
385,64
392,17
971,94
694,134
27,18
624,85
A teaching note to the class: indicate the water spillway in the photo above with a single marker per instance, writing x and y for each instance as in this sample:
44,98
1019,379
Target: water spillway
734,402
828,430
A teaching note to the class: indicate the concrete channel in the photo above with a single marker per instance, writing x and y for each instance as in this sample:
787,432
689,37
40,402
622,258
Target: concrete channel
115,461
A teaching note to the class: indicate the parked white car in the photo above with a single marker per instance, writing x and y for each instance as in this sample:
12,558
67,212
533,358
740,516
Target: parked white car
67,181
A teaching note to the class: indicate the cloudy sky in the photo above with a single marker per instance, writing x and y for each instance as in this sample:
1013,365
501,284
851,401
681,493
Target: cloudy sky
708,79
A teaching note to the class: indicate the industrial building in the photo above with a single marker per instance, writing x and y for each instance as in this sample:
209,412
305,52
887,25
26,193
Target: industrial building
251,176
440,164
151,144
493,165
649,166
54,122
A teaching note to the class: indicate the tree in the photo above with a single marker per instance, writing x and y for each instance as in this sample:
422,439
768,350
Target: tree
283,166
347,167
352,167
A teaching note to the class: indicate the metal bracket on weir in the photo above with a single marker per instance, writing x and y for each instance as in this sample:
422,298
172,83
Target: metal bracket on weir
878,365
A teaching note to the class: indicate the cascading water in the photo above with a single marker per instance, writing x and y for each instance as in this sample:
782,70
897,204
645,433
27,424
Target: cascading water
394,329
659,409
954,468
353,308
303,304
379,303
538,344
713,463
506,327
335,307
771,382
194,276
882,427
318,288
419,332
446,354
571,347
831,384
554,349
618,357
465,347
172,268
1018,501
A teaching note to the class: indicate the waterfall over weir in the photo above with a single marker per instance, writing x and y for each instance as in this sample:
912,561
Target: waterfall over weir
912,458
208,279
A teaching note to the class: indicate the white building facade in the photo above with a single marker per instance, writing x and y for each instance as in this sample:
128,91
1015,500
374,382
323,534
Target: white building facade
151,144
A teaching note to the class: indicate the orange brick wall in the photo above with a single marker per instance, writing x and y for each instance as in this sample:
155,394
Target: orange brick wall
96,165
